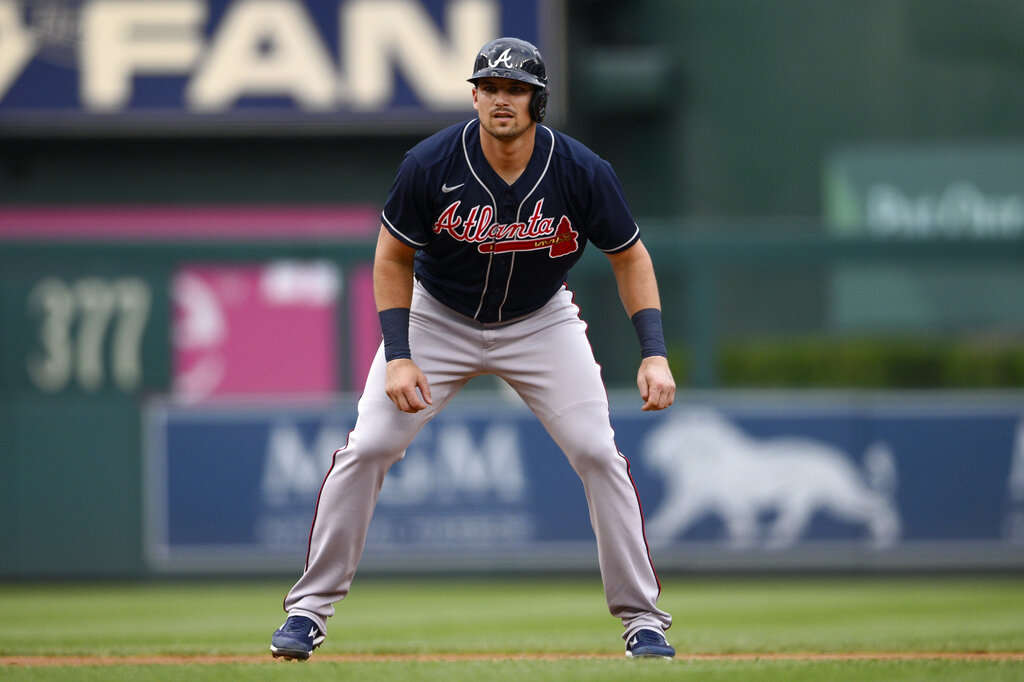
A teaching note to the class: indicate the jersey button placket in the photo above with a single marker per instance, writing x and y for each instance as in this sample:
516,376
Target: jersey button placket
500,262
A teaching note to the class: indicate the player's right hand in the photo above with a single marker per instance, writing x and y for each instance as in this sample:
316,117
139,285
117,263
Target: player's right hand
657,387
402,380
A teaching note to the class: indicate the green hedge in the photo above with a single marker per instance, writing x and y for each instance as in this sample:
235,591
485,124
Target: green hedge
866,363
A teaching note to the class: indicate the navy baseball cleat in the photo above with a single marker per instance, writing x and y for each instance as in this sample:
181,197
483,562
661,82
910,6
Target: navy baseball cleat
648,644
296,639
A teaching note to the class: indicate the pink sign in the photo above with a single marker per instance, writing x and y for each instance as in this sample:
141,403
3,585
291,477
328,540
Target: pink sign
232,223
256,329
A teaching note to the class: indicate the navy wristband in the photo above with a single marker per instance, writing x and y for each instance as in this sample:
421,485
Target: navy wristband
394,325
647,323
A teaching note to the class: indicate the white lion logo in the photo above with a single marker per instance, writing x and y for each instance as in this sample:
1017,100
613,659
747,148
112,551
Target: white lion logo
709,466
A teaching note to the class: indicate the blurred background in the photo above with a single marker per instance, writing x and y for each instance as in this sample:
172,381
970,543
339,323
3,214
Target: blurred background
832,192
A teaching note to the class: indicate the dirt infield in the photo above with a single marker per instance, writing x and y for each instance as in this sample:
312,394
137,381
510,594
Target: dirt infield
56,661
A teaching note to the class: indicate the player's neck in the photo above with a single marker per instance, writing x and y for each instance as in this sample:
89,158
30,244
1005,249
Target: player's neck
508,157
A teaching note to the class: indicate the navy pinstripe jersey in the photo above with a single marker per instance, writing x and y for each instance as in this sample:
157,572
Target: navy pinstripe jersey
494,251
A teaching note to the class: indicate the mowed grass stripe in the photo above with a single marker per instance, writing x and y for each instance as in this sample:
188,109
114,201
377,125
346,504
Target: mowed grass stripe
559,615
61,661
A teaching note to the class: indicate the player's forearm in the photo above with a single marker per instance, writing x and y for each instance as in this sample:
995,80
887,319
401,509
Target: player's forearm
392,285
634,274
392,289
638,290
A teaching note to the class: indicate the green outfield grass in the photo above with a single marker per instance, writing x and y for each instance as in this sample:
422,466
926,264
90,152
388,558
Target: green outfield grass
523,616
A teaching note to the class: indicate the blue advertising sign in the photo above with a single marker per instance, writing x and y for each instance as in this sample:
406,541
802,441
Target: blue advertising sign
795,482
248,65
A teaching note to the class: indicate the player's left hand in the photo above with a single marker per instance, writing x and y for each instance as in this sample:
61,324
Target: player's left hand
657,387
404,383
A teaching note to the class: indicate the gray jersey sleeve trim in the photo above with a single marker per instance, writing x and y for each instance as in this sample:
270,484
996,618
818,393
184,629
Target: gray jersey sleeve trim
397,233
626,244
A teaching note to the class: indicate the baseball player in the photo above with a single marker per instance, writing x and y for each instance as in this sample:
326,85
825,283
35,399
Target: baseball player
481,226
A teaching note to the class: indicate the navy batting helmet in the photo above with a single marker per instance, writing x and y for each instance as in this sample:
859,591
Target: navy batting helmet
519,60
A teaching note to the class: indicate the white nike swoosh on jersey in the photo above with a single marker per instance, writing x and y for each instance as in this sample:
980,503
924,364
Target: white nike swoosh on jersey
446,188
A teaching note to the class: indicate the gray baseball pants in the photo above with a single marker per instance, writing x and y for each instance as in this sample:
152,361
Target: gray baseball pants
546,357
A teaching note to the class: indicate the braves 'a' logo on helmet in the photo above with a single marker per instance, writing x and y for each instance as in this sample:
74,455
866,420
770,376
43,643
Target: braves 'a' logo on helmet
504,58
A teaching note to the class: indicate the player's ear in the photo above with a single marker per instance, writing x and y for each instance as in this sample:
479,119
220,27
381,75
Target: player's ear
476,104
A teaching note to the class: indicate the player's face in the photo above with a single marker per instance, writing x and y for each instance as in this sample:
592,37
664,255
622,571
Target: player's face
503,105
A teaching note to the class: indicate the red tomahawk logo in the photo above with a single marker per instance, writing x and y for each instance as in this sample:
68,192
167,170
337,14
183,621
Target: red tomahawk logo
561,243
